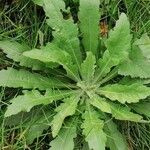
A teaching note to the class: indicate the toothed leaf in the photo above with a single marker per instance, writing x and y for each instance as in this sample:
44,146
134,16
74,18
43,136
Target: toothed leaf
93,130
123,113
65,109
65,138
99,102
105,64
33,98
52,53
144,44
119,47
89,24
22,78
115,140
66,32
14,51
136,66
88,67
142,108
125,93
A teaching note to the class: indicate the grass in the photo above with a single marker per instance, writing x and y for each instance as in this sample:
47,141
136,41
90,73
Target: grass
26,23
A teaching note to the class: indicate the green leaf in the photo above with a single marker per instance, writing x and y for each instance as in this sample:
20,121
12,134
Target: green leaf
93,130
115,140
105,64
65,138
49,53
65,109
142,108
52,53
128,80
125,93
53,11
14,51
37,125
33,98
123,113
88,67
118,47
89,24
32,123
119,41
66,32
136,66
38,2
27,80
99,102
144,44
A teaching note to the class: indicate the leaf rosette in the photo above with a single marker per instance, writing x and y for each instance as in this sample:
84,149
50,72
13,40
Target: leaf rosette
82,85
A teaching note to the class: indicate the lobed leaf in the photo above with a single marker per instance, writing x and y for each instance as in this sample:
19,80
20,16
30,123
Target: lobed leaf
99,102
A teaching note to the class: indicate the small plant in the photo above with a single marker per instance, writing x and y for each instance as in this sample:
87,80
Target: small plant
89,84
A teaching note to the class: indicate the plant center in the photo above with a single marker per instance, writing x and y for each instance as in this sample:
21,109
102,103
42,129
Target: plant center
86,86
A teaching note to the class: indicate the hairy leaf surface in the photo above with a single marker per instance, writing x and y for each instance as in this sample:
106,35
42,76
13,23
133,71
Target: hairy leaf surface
52,53
14,50
66,32
88,67
89,20
123,113
65,109
142,108
93,130
33,98
119,41
136,66
65,138
21,78
125,93
100,103
105,64
144,44
117,48
115,140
